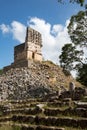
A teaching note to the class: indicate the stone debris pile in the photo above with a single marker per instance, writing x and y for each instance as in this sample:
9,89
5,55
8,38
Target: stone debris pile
38,80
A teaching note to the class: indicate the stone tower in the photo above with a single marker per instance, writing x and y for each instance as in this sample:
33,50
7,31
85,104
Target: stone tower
33,44
31,49
28,51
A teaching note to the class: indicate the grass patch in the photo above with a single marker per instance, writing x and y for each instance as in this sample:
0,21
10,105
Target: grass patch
48,62
84,99
1,71
8,127
71,128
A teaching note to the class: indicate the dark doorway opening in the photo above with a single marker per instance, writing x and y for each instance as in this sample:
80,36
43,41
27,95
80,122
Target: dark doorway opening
33,55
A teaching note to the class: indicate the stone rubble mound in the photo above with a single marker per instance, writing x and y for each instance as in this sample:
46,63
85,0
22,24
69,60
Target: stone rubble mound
35,81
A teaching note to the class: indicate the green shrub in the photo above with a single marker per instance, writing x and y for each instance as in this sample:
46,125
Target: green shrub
1,71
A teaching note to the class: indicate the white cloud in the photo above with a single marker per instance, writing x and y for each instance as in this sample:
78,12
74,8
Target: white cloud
5,28
57,28
53,37
18,30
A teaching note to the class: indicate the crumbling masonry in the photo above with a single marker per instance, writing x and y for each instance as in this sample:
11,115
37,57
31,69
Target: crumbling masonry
28,51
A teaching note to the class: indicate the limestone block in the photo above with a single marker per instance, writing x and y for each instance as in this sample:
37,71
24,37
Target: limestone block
38,57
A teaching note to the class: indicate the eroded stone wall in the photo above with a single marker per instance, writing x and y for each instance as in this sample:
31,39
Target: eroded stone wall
31,49
33,44
19,52
33,36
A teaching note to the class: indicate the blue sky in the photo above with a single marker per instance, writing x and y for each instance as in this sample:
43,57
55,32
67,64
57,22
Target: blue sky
46,16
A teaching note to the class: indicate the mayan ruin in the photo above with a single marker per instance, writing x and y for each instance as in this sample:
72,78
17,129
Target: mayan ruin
28,51
43,64
31,49
36,95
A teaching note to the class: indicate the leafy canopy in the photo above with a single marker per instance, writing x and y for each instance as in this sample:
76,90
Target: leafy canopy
81,2
74,55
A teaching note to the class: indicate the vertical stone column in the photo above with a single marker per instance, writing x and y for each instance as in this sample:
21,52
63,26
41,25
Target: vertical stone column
33,44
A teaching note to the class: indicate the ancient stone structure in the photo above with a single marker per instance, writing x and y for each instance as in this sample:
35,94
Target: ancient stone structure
28,51
31,49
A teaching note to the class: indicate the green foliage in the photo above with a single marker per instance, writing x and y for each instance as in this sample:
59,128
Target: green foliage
69,56
71,128
82,74
1,71
84,99
81,2
77,29
73,55
8,127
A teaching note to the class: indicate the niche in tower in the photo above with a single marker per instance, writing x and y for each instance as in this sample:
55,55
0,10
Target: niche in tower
33,55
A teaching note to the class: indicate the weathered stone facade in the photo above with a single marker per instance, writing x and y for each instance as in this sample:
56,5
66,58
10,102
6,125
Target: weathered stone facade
28,51
31,49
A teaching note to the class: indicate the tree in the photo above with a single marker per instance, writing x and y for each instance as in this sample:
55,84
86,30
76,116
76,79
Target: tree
74,55
81,2
82,74
77,29
69,56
